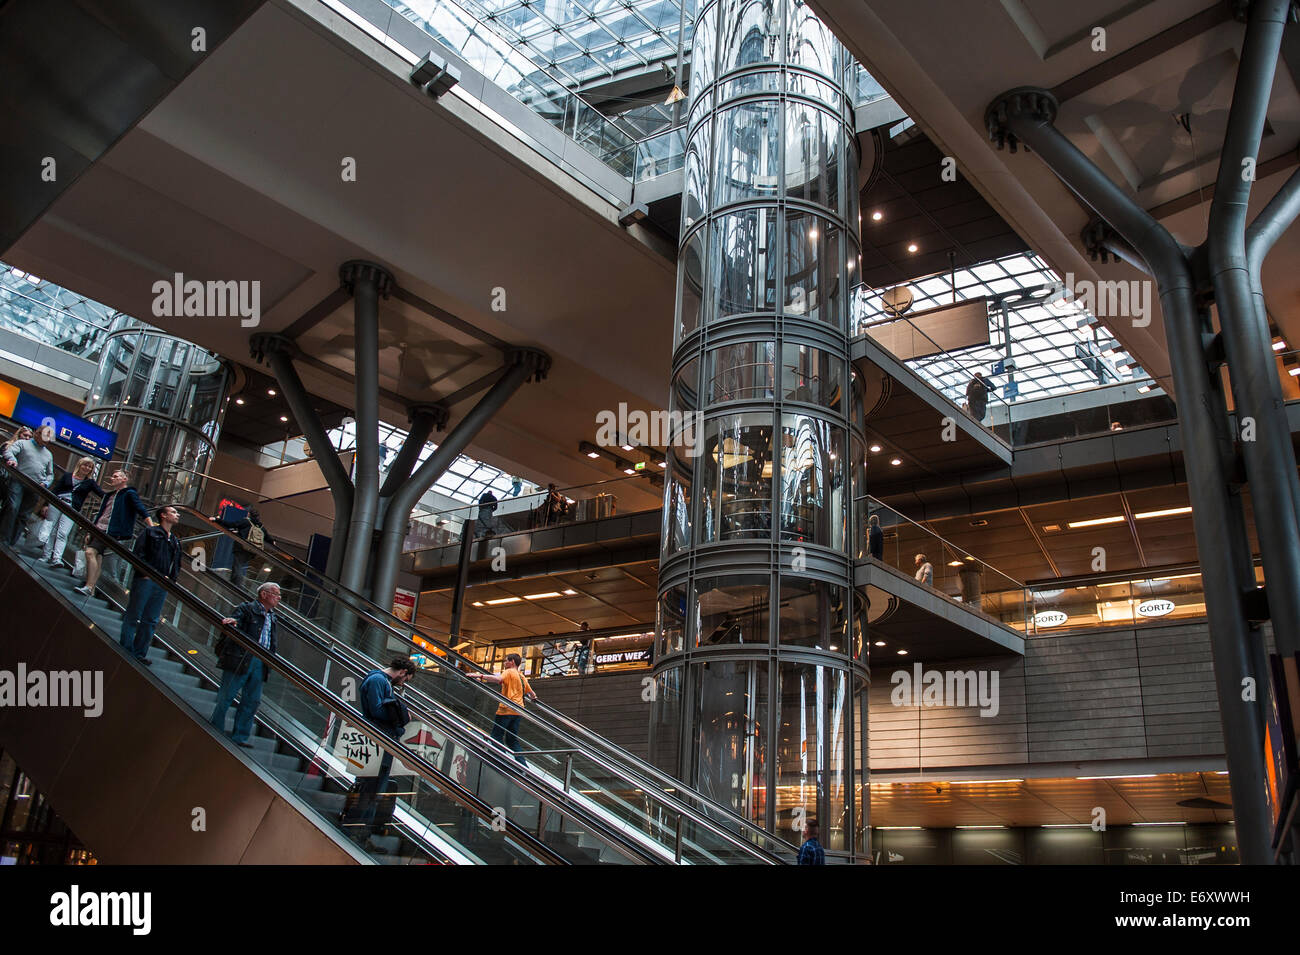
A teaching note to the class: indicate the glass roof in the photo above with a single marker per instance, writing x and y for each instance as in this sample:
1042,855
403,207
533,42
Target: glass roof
1057,345
50,313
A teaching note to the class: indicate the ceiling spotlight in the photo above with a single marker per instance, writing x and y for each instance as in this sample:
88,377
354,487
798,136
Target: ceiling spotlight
593,454
627,447
880,643
896,461
271,392
912,247
238,401
629,471
663,464
902,653
877,215
1279,345
875,449
284,418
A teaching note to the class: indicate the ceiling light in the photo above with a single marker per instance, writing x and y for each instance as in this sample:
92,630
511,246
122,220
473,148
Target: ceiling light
1170,512
593,454
1144,389
570,593
896,828
284,418
812,234
1294,371
981,782
545,596
880,643
981,827
1279,345
912,247
505,600
478,603
1067,825
627,447
1159,823
663,464
1096,521
271,392
902,653
1136,776
954,563
875,449
629,471
238,401
896,462
877,215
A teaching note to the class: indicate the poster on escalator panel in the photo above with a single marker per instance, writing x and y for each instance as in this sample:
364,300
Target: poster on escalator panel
360,756
404,605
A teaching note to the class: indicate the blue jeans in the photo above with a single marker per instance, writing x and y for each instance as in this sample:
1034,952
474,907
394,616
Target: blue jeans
141,616
248,686
505,730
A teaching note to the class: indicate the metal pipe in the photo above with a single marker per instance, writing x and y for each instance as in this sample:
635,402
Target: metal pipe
423,418
462,576
367,281
1247,342
277,352
1216,513
527,363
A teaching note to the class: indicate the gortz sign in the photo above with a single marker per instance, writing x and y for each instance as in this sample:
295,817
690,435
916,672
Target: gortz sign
1155,608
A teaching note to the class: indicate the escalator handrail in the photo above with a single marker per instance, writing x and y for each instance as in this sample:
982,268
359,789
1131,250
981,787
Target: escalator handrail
662,782
340,708
429,712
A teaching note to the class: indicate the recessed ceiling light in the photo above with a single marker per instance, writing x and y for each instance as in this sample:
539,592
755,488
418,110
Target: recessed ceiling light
880,643
902,653
545,596
912,247
1294,371
954,563
1144,389
271,392
896,462
875,449
570,593
627,447
1279,345
238,401
629,470
663,464
1094,522
593,454
877,215
478,603
284,418
505,600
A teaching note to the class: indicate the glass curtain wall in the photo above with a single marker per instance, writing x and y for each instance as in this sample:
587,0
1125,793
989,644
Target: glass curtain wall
760,674
165,398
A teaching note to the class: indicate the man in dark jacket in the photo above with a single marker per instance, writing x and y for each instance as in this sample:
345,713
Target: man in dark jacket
875,538
977,397
248,526
243,673
382,706
160,550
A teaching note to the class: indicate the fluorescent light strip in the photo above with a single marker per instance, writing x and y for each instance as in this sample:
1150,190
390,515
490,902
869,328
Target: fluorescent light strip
1159,823
981,827
1066,825
545,596
503,600
1170,512
1136,776
981,782
896,828
1096,521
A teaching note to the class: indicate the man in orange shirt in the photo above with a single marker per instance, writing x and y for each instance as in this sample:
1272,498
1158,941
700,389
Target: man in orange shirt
514,686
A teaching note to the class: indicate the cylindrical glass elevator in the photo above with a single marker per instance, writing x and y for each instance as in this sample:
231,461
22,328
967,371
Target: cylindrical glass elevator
761,675
164,398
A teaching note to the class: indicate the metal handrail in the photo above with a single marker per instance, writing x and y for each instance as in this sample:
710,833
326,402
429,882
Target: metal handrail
654,779
295,676
429,711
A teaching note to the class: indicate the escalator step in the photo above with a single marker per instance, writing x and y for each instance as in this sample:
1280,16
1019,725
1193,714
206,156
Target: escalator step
300,782
277,761
330,804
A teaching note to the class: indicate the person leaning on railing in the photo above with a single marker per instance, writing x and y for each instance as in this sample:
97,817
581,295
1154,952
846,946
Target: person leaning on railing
32,458
159,550
117,515
72,488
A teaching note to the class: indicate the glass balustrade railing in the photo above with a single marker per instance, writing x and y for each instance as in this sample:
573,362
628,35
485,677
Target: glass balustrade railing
630,793
321,745
525,512
942,566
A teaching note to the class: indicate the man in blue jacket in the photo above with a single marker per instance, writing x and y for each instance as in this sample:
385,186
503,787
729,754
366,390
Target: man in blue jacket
242,672
117,515
382,706
160,550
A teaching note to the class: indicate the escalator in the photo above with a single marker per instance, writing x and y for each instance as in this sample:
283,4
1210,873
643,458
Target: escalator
664,815
156,748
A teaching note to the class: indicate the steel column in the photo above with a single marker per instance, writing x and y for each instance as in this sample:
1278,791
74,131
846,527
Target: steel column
1247,343
367,282
424,419
526,364
1027,116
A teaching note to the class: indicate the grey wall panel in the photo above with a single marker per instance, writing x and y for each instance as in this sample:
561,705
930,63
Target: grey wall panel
610,704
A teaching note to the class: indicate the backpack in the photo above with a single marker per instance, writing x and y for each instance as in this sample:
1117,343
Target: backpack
256,536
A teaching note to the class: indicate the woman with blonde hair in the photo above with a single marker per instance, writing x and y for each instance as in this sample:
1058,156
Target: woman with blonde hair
72,487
